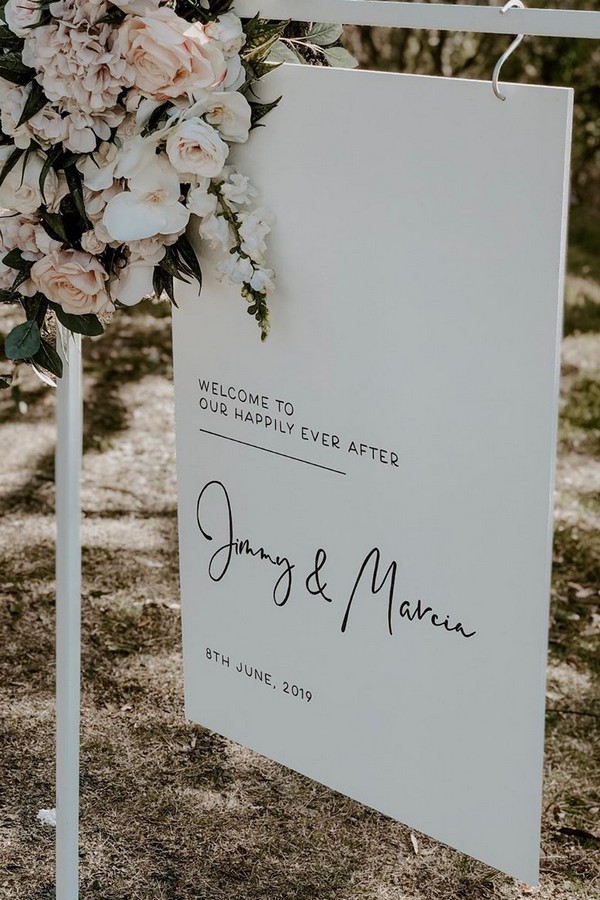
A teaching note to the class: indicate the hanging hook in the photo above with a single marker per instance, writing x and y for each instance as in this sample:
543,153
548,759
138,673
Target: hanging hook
512,4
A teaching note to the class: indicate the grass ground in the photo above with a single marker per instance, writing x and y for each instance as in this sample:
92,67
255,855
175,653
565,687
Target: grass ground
173,812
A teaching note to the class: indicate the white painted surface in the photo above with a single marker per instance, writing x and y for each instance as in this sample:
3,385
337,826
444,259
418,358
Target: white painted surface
419,245
435,16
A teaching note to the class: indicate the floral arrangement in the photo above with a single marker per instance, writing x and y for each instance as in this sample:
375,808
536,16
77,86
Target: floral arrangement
117,119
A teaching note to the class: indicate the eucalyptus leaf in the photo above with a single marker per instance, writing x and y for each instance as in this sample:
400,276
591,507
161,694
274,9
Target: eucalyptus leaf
323,35
340,57
284,53
23,341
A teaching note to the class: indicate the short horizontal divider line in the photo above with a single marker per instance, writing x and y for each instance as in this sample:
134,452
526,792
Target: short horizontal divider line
306,462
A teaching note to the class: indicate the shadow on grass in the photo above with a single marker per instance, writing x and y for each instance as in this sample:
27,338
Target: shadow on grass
137,344
582,318
575,601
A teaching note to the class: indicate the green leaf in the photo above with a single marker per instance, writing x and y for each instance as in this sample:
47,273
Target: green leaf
52,157
23,341
169,265
48,359
13,69
21,278
284,53
11,162
76,189
8,40
88,324
36,101
36,308
162,283
54,226
186,259
260,110
155,118
323,35
261,37
260,32
257,70
114,16
339,56
14,260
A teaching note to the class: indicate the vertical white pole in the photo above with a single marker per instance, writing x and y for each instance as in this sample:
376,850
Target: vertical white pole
69,421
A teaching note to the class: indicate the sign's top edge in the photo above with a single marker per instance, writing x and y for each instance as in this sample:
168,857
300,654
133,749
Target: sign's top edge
317,71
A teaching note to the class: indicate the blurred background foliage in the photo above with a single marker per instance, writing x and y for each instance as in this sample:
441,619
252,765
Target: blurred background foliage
549,61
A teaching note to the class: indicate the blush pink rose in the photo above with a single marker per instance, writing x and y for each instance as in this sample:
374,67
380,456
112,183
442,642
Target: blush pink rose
75,280
168,56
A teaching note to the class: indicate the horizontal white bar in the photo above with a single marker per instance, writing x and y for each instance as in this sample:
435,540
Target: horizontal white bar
433,16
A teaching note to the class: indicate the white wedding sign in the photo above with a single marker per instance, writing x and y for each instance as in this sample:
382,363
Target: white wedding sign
365,500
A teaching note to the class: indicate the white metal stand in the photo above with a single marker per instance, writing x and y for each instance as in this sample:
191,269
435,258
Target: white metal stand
69,420
437,16
570,23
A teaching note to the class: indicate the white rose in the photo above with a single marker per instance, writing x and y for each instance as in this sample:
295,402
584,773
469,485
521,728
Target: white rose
169,57
194,147
22,15
75,280
228,31
92,243
230,113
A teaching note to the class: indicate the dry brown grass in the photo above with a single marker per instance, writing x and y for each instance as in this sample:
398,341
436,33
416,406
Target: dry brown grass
171,811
